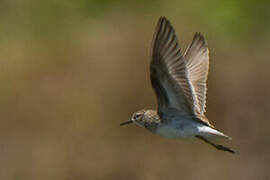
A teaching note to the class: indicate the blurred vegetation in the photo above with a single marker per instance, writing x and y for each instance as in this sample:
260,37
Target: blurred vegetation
71,71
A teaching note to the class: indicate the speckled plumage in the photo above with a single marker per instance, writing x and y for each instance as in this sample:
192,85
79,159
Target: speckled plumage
179,81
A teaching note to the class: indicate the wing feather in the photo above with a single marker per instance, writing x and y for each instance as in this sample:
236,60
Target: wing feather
168,69
197,63
179,81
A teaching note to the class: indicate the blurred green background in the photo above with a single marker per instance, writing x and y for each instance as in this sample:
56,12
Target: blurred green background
71,71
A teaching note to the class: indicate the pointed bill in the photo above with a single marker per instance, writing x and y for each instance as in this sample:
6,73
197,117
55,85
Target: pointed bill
126,122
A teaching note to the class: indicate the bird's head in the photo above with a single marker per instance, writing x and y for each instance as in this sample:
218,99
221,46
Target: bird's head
148,119
137,118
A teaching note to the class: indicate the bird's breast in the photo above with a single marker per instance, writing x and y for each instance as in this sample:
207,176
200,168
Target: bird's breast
177,129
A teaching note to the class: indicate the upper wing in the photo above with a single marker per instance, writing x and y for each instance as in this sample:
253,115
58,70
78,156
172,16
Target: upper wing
197,64
175,78
168,70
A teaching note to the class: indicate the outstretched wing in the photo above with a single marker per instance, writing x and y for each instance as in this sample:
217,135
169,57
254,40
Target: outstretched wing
197,65
170,72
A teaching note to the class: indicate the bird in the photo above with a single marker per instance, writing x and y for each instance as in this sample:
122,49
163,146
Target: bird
179,80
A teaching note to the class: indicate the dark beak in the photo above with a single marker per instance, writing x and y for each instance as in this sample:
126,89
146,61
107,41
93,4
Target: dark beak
127,122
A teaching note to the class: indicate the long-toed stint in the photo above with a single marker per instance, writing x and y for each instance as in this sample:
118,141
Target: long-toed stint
179,81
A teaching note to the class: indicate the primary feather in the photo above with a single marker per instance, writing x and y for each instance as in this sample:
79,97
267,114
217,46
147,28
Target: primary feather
179,80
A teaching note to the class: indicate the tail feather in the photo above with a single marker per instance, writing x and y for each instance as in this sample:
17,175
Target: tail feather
211,132
221,134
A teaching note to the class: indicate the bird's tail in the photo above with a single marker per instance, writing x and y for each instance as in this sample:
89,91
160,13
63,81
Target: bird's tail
207,133
211,133
221,134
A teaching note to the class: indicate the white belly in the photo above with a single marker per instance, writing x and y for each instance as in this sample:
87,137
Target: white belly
179,130
176,131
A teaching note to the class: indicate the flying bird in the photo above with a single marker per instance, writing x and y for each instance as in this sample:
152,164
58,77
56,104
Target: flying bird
179,81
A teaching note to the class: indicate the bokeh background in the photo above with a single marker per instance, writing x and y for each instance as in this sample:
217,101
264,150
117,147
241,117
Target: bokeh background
71,71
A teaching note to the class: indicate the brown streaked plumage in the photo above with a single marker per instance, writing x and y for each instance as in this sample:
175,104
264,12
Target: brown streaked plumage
185,75
179,81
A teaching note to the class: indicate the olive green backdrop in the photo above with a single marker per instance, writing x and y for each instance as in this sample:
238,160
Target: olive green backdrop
71,71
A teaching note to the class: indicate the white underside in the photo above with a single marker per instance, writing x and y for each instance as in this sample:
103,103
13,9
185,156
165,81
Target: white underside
178,130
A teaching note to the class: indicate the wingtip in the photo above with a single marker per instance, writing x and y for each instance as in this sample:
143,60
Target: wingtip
199,34
200,37
163,19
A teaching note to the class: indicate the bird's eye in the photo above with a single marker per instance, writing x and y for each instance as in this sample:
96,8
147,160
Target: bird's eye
137,116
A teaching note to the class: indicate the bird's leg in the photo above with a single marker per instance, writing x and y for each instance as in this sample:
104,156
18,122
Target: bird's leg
217,146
